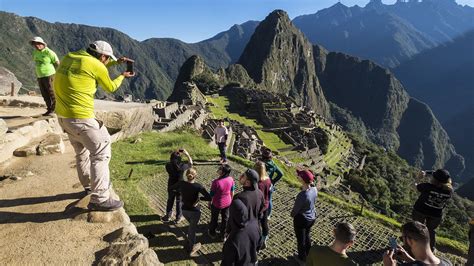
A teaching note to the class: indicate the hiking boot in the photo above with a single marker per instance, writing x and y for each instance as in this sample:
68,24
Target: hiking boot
179,220
48,113
108,205
88,191
195,249
165,218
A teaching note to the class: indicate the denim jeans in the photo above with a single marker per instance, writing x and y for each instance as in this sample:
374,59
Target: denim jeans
172,196
431,223
303,235
215,219
221,146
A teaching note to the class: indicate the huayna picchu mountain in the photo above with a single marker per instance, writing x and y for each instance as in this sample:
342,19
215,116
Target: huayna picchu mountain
279,59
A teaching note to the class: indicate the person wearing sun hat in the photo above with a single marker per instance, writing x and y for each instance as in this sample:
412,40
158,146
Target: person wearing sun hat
75,85
304,213
46,62
428,208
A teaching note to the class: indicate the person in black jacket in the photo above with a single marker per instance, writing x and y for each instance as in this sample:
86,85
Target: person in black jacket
190,191
243,231
434,196
175,168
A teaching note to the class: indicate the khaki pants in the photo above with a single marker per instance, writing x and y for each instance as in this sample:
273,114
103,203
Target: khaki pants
91,142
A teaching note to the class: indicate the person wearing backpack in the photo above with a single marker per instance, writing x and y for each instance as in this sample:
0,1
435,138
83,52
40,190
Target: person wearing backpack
175,168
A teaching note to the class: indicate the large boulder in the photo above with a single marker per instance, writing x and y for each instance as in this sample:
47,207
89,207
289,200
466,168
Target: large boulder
123,120
7,78
51,143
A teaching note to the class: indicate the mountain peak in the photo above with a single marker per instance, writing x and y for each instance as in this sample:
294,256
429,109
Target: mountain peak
279,58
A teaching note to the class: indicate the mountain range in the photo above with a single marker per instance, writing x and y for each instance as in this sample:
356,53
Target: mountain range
279,59
309,74
387,34
157,60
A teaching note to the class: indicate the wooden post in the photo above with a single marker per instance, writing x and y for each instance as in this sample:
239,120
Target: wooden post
362,207
12,93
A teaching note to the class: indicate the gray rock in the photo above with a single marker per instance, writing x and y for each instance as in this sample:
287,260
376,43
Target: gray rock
122,233
27,150
122,253
6,80
52,143
148,257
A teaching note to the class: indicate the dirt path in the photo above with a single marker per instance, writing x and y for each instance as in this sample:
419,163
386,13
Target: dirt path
34,229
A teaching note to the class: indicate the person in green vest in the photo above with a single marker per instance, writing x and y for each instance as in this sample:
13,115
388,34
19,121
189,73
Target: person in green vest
46,62
75,86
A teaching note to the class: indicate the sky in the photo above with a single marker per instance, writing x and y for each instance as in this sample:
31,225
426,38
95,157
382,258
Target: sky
187,20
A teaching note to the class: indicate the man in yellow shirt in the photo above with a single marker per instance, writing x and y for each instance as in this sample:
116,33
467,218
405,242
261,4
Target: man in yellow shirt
75,85
45,60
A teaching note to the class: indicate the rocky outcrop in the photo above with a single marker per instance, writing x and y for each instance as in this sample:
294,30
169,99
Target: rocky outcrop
280,59
123,120
367,90
391,118
21,136
423,141
7,79
49,144
193,70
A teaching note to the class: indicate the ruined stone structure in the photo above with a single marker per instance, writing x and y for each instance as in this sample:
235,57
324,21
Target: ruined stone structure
170,116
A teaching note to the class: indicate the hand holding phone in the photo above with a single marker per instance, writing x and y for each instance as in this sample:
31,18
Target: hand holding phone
130,66
392,241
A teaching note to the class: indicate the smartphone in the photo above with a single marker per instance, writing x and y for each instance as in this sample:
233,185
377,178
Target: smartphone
181,150
130,66
392,241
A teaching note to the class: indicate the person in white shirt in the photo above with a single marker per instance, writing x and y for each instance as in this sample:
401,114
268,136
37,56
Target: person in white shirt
220,135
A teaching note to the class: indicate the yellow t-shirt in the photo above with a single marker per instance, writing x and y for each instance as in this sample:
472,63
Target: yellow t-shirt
76,82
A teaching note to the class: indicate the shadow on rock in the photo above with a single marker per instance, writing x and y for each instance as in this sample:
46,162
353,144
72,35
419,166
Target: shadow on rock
37,200
144,218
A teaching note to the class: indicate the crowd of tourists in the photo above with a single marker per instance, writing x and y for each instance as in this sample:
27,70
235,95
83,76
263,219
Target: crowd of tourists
244,216
244,226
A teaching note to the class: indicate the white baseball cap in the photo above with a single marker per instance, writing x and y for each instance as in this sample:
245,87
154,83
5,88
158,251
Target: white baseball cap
104,48
38,40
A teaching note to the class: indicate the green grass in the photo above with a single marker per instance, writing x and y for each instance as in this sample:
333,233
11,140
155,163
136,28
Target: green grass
220,110
147,158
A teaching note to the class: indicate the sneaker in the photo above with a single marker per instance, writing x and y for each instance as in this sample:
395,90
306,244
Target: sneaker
211,234
165,218
195,249
179,220
108,205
